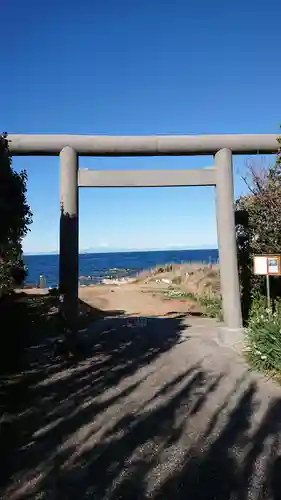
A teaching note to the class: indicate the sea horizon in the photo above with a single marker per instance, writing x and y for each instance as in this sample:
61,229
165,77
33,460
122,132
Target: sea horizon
95,267
120,250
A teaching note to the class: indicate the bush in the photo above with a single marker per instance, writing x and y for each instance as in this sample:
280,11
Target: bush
263,335
210,305
14,221
258,219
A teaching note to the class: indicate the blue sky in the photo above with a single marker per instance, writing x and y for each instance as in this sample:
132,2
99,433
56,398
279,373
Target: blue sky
136,67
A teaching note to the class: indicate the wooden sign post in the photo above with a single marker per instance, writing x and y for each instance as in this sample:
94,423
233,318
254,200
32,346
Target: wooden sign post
267,265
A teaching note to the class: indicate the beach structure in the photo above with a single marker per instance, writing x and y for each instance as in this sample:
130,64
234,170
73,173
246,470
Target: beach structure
220,175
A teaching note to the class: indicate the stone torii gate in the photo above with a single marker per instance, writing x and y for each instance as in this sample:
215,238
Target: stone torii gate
70,147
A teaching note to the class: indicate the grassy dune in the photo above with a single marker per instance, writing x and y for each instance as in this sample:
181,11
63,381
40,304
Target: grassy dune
195,278
195,282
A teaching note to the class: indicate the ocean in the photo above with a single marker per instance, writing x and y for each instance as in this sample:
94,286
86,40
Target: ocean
95,267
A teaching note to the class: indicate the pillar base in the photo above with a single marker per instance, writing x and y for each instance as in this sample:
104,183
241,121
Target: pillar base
231,337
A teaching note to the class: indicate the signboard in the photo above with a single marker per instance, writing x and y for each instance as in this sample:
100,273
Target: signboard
267,265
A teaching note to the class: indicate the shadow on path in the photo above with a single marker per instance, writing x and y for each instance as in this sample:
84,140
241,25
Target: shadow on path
134,421
54,399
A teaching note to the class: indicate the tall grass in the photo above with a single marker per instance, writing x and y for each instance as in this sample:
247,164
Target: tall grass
263,335
209,304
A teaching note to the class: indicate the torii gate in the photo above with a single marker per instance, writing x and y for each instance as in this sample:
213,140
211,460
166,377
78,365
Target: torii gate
70,147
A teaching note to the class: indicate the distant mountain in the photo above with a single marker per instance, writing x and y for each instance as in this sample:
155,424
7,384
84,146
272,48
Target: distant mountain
127,250
54,252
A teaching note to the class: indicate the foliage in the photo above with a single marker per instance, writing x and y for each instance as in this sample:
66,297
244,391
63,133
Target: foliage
263,335
258,222
211,306
258,231
180,294
14,221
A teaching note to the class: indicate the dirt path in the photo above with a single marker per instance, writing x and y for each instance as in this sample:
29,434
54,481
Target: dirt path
158,411
135,299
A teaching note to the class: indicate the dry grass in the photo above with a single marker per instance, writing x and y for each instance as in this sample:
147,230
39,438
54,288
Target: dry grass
196,278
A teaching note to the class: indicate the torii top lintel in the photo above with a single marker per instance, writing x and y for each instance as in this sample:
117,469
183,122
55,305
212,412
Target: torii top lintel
163,145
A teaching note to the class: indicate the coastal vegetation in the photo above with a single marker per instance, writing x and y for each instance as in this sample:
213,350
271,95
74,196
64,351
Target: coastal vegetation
263,336
198,283
258,232
210,305
15,219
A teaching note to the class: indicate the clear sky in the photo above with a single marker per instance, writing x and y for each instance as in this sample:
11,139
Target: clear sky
136,67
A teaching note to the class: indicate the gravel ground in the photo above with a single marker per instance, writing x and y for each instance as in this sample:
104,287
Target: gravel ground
157,409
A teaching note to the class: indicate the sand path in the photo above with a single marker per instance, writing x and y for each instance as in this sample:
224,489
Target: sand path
135,299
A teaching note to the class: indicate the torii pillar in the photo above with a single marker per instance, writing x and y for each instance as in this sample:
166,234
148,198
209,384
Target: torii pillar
69,246
229,277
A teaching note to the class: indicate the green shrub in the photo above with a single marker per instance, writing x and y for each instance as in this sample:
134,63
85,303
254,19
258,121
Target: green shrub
263,335
180,294
211,306
14,221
